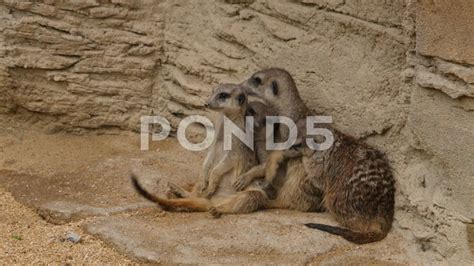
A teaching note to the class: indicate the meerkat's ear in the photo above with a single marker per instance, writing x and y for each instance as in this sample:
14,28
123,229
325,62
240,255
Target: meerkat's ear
241,99
275,87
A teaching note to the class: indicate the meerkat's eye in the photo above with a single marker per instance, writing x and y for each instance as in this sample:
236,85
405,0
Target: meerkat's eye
274,87
241,99
257,81
223,95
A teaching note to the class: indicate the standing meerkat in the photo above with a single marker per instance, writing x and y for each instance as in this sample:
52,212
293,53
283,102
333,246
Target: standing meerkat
221,167
356,180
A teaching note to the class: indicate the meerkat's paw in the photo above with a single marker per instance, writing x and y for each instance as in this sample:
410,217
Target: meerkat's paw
210,191
175,191
241,183
214,213
172,193
202,187
209,194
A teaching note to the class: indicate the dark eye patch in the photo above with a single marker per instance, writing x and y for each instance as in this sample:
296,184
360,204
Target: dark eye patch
223,95
257,81
274,87
241,99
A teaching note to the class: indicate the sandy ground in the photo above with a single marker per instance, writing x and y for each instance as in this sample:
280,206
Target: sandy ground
40,172
80,184
26,239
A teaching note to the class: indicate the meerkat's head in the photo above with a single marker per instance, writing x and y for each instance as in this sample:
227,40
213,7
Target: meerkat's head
228,98
274,85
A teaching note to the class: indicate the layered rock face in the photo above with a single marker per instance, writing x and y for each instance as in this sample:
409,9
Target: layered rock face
399,74
82,63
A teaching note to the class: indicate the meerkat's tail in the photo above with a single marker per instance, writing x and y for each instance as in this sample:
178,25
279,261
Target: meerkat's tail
184,205
147,195
352,236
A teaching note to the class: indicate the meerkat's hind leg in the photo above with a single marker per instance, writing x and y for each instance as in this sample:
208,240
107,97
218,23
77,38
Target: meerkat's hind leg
185,205
275,204
243,202
225,165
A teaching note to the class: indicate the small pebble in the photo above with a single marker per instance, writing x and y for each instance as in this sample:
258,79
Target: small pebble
73,237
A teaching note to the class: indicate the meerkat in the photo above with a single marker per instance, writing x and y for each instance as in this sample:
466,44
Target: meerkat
259,111
296,193
269,161
215,192
356,180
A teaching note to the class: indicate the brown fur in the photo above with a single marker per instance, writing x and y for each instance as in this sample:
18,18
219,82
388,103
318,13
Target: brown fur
270,161
354,180
214,193
261,111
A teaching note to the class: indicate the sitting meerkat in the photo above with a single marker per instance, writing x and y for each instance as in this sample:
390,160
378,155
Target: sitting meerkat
215,192
356,180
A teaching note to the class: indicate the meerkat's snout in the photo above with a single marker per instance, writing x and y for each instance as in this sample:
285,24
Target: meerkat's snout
210,104
249,87
207,104
249,90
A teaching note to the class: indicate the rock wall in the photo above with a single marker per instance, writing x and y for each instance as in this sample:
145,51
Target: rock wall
399,74
82,64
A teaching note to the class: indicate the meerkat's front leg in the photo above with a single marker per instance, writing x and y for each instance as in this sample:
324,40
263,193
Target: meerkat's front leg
215,177
244,180
276,158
